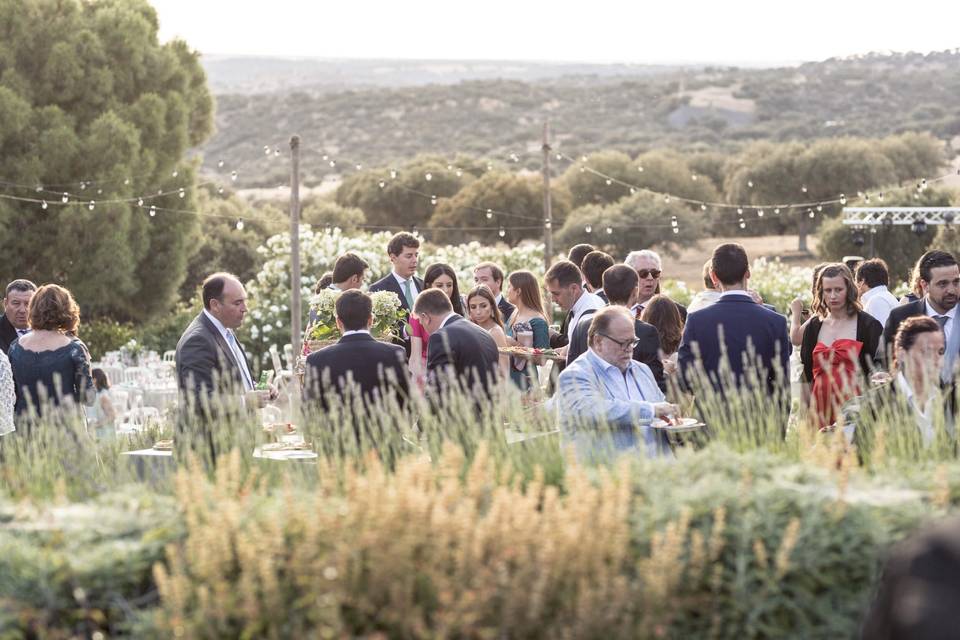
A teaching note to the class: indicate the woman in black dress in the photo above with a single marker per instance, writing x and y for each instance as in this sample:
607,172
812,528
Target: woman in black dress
51,366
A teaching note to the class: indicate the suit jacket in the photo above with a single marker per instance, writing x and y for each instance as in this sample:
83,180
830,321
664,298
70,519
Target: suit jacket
205,365
744,323
463,349
647,350
8,334
506,309
898,315
379,370
389,283
600,293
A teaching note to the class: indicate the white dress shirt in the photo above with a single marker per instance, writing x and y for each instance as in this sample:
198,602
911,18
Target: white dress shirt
924,414
353,332
948,327
878,302
739,293
584,303
234,347
402,281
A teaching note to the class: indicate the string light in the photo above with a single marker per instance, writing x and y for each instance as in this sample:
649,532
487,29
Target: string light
759,213
91,205
429,176
182,193
489,213
153,211
502,232
382,184
588,228
44,205
65,198
433,200
743,223
240,225
175,173
609,231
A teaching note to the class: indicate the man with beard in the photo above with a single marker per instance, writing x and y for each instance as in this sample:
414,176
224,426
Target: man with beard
940,283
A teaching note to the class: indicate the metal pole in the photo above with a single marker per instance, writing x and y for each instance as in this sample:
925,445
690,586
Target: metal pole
296,331
547,204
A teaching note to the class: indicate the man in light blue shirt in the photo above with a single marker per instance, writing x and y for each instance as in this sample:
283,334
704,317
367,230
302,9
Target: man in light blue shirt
606,398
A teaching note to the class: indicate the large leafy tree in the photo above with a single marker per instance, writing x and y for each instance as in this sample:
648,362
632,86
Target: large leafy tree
88,95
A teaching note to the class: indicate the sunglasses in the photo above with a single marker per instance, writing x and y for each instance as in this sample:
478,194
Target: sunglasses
652,273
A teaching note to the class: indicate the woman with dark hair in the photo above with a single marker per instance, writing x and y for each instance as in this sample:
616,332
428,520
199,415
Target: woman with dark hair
799,316
841,344
103,417
51,366
437,276
526,327
483,312
662,313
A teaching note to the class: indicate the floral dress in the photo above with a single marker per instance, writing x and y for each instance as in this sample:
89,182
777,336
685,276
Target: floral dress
522,371
7,395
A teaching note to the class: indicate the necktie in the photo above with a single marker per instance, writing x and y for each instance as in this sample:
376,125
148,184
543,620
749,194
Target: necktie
942,321
241,361
22,332
408,293
566,323
639,311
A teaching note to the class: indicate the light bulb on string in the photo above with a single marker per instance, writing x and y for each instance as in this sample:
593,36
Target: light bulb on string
502,232
459,172
359,167
174,174
673,221
39,188
740,211
153,210
489,167
923,183
393,174
609,182
588,228
139,202
583,158
743,223
640,169
666,199
83,186
182,193
433,200
583,169
819,207
750,183
515,157
428,177
703,206
65,198
803,188
693,177
43,205
266,150
811,213
220,190
843,199
632,190
676,230
126,181
777,210
547,224
92,205
233,176
489,214
220,164
880,196
559,156
276,153
866,197
759,213
159,192
382,184
332,163
99,192
324,157
449,167
609,231
240,225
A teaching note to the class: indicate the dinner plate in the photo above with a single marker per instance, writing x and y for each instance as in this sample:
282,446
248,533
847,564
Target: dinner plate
686,424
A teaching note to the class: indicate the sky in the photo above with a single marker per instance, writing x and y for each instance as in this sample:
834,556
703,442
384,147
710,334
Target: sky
751,32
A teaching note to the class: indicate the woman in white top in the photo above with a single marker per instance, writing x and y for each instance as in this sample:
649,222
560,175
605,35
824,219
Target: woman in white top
483,311
7,395
104,414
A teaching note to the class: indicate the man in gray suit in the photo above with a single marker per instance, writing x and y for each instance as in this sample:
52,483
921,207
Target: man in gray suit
212,367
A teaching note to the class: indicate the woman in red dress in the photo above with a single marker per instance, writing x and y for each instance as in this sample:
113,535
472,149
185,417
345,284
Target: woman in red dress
841,344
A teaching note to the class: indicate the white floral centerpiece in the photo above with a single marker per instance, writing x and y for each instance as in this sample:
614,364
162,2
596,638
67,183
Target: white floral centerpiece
130,352
387,315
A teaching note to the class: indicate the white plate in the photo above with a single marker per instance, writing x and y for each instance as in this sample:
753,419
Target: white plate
686,424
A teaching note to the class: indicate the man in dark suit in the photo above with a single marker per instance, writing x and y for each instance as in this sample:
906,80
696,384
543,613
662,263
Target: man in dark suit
649,268
747,329
376,370
212,368
940,281
459,353
404,253
621,284
15,320
593,266
491,276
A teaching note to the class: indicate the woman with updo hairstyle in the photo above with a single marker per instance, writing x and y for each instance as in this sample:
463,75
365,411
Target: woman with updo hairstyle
51,365
841,344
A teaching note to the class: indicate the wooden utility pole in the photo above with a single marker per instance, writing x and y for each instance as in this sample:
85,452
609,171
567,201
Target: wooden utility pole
296,330
547,204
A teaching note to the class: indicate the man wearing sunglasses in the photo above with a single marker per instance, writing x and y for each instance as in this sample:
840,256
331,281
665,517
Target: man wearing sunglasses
606,398
649,268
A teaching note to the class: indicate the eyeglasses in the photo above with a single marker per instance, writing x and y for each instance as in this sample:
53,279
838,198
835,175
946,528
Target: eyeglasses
626,345
652,273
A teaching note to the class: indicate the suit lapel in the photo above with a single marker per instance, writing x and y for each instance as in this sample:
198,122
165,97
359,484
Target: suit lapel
222,344
950,359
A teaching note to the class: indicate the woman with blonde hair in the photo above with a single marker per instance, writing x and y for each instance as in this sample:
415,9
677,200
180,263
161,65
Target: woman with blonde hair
841,344
528,322
51,366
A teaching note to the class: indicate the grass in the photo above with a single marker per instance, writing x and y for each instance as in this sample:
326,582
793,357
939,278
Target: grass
445,530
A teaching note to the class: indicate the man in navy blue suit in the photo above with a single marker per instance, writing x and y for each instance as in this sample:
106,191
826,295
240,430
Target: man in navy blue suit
404,253
734,334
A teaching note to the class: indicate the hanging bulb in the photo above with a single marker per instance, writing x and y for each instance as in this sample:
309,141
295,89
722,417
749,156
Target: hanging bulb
673,221
666,199
515,157
489,167
126,181
220,164
803,188
233,176
449,167
703,206
393,174
39,188
583,169
583,158
175,173
240,225
750,183
220,190
43,205
811,213
502,232
559,156
65,198
91,205
923,183
547,224
609,182
740,210
866,197
843,199
640,169
159,192
433,200
676,230
183,192
632,190
99,192
880,196
332,163
489,213
777,210
382,184
153,211
83,186
819,207
139,202
325,157
609,231
743,223
429,176
266,150
276,153
694,177
759,213
459,172
588,228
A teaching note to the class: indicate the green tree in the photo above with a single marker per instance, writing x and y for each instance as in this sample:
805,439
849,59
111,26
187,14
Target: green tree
914,155
88,94
402,201
323,212
639,221
519,197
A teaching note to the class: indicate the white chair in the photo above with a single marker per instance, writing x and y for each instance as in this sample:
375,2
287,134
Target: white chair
136,376
137,419
169,356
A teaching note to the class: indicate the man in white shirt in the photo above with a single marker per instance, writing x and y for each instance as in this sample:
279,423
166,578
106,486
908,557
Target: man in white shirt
565,284
873,278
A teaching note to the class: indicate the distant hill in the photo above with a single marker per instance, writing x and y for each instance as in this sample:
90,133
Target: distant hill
377,113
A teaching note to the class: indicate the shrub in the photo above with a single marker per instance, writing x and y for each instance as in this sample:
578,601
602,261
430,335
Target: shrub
102,335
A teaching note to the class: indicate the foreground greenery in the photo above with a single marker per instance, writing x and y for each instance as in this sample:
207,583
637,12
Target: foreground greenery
451,531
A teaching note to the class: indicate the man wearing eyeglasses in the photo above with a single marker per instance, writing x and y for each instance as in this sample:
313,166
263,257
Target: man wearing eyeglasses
649,268
606,398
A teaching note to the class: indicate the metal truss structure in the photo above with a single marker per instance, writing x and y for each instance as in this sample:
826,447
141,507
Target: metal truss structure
876,216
